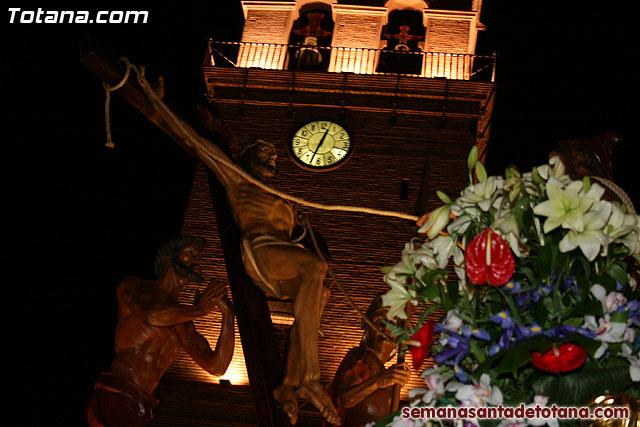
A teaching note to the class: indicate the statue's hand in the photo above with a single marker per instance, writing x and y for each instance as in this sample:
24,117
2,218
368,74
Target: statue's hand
212,295
225,305
396,374
150,90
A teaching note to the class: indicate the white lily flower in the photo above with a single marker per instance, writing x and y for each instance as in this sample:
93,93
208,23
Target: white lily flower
444,247
426,257
530,187
461,222
482,194
397,298
507,227
619,223
437,221
479,394
554,170
406,267
632,239
565,206
591,238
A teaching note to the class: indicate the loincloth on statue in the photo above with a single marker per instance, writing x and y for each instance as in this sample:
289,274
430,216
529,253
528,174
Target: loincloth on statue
116,401
258,272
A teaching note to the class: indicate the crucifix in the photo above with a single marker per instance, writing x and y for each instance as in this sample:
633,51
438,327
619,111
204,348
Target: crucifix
274,263
262,357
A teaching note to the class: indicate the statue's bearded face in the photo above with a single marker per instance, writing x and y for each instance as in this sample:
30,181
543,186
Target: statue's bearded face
186,263
263,163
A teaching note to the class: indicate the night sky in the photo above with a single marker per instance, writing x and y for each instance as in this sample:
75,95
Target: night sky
82,216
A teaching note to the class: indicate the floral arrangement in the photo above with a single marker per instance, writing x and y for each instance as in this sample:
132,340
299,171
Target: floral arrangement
537,276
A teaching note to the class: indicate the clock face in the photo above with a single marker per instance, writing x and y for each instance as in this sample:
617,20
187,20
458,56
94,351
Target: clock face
321,145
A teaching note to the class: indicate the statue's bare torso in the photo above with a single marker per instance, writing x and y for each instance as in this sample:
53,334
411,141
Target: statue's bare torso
257,211
142,351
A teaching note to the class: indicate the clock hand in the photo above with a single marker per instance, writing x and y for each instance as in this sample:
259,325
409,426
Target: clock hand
319,145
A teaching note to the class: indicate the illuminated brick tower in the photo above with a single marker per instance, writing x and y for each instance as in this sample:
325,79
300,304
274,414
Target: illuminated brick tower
399,91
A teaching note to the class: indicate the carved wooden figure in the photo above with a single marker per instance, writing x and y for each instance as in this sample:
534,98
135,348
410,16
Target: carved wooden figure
280,268
152,328
362,386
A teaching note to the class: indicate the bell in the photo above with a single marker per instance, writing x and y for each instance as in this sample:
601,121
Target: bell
402,47
619,400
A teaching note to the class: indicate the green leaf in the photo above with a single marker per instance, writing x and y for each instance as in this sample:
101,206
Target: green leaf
584,263
426,313
607,282
574,321
520,208
536,176
540,312
590,345
513,309
620,316
543,264
515,357
445,300
518,355
617,273
592,308
431,292
452,290
577,387
530,275
387,419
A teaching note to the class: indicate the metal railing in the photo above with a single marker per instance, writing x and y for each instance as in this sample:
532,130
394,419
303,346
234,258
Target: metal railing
353,60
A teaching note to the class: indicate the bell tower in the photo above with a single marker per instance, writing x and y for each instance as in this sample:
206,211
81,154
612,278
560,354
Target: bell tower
370,104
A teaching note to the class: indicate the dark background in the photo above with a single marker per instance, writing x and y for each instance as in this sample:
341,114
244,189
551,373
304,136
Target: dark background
82,216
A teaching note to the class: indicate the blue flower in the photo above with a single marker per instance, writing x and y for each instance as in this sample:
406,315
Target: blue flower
503,319
520,332
565,331
457,347
633,307
524,299
513,286
476,333
570,283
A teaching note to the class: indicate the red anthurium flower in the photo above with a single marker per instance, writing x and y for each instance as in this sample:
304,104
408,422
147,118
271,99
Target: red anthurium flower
564,358
489,259
425,337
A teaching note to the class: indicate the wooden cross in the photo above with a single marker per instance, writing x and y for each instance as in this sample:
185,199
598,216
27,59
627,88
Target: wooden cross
262,357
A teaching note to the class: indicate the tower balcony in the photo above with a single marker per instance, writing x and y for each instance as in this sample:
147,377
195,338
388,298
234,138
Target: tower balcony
351,60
